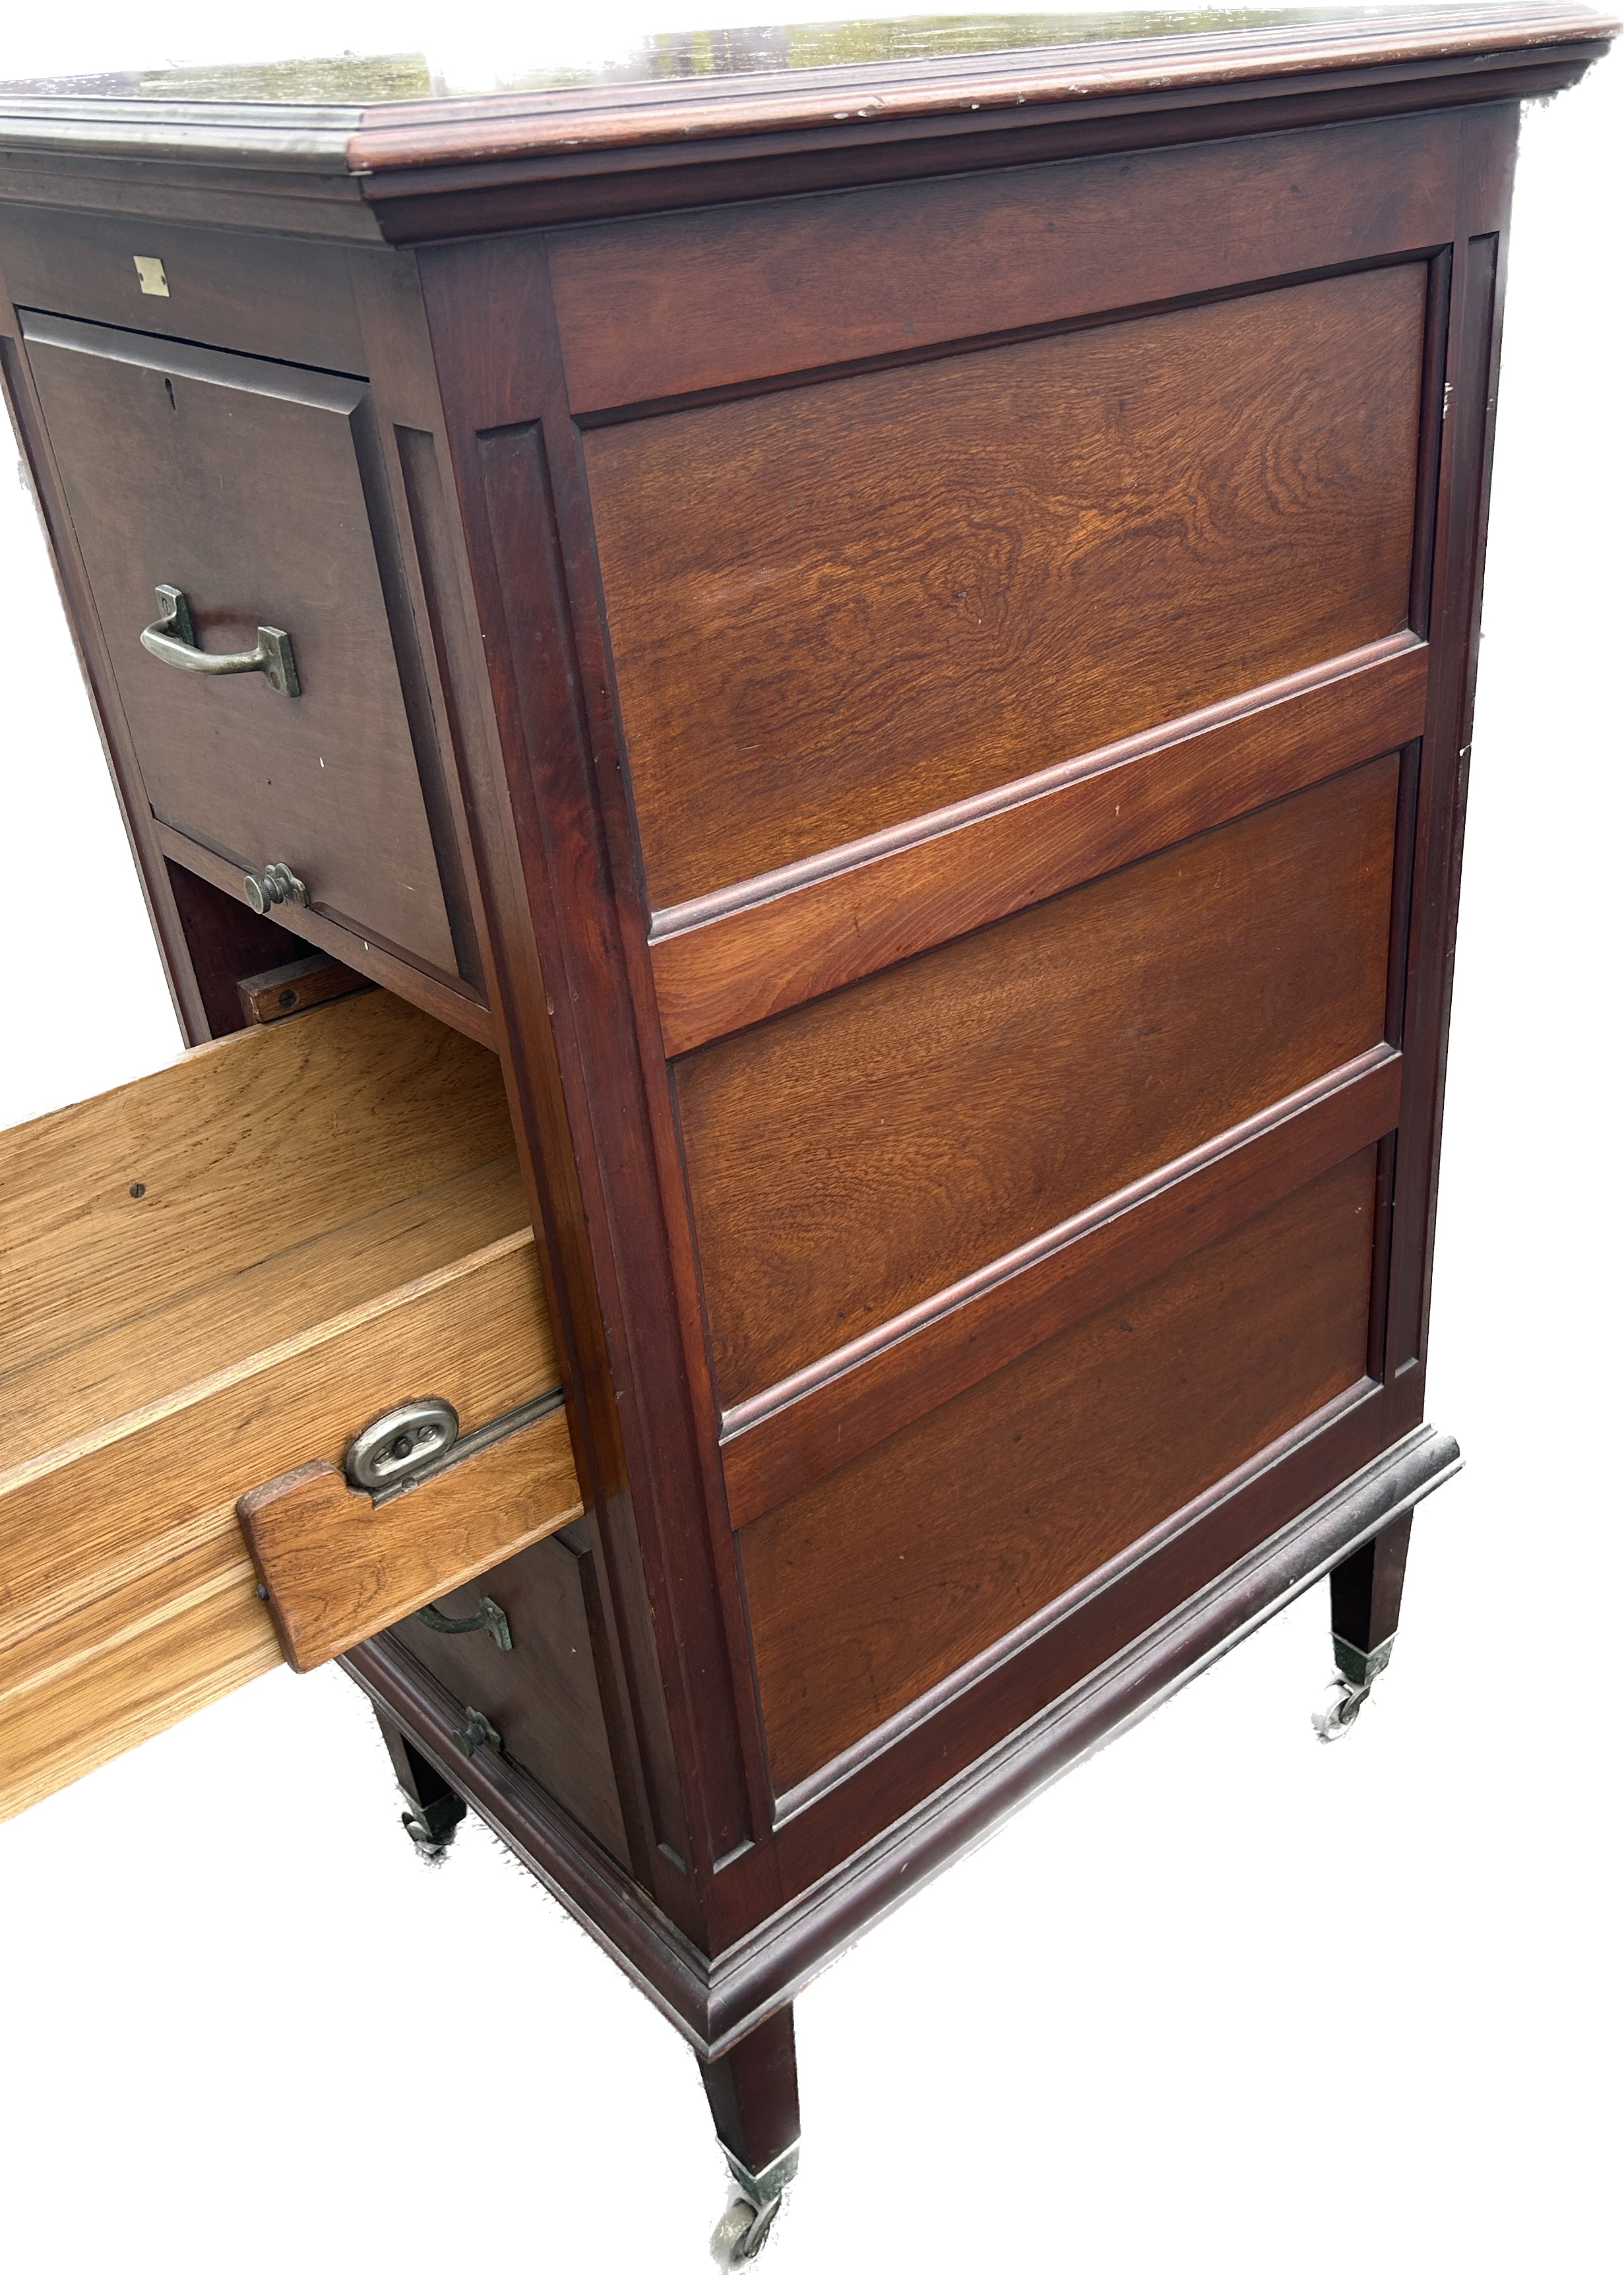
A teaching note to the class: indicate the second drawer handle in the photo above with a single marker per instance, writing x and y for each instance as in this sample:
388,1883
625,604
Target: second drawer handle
490,1620
172,639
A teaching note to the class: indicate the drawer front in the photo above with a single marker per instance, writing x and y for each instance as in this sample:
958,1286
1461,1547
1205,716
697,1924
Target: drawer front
217,1275
836,608
546,1694
251,488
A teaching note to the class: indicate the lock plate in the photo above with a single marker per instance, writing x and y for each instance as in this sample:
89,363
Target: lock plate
395,1446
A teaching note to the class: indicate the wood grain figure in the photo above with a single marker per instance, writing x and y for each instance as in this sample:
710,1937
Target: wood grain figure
835,609
851,1157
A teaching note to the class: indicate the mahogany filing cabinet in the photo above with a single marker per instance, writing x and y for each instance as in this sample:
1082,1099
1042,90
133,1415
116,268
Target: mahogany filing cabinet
796,718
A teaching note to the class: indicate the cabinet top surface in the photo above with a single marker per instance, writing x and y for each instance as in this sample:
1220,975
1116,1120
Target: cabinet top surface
608,82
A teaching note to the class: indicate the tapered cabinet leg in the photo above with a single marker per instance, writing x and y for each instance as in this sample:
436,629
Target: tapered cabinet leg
434,1810
1366,1591
755,2104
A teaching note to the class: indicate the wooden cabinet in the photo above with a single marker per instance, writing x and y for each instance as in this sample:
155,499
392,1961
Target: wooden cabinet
885,660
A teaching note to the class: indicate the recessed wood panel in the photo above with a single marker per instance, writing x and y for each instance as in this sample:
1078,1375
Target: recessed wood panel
784,1442
871,1588
669,303
859,1154
841,606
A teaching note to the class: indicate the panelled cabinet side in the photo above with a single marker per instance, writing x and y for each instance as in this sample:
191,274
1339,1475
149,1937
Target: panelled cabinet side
521,476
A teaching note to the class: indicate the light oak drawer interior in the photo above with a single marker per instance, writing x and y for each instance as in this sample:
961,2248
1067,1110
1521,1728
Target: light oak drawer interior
216,1276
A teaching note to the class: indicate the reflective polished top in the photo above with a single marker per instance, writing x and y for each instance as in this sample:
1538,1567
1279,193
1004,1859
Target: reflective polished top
623,77
611,49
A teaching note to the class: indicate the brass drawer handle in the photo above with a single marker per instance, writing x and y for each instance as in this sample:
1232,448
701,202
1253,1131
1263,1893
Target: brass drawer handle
490,1619
172,639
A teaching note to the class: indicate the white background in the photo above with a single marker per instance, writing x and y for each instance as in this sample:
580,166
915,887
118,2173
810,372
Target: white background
1222,1998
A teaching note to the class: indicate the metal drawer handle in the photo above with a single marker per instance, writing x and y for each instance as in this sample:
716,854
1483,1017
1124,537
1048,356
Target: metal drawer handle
490,1619
173,640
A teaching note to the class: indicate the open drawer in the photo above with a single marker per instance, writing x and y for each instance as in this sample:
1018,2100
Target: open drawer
210,1282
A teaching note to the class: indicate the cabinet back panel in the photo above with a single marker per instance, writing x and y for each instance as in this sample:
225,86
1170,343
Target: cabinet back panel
838,607
856,1155
874,1586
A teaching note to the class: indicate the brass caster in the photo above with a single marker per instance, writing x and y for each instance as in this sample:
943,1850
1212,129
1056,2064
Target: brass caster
1340,1711
742,2230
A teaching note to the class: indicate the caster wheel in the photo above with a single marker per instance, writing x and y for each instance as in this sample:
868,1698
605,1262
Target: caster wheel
742,2230
431,1825
430,1845
1339,1712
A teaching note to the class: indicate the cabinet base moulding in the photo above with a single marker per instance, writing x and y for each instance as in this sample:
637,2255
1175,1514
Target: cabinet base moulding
716,2001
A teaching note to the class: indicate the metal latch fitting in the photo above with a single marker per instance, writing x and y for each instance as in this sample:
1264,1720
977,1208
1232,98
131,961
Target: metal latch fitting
277,886
479,1730
399,1444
